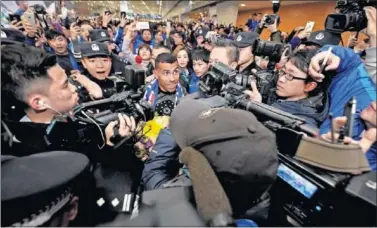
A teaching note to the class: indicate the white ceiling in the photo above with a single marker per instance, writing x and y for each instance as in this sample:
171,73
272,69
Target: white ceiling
251,5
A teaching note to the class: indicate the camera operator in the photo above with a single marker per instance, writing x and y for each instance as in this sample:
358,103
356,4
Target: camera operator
273,28
244,41
297,93
41,88
226,52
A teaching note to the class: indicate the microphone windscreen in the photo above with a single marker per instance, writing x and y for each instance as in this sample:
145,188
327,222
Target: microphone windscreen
138,59
210,197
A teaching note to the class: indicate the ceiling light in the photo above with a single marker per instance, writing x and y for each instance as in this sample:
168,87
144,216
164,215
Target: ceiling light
242,5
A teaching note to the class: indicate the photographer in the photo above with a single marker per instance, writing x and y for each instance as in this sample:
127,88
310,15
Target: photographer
297,92
226,52
273,28
244,41
41,88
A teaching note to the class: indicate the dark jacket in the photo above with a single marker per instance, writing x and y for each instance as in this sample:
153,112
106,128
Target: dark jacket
313,109
162,164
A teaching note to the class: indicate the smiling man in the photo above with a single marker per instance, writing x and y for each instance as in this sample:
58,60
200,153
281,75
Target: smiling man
164,92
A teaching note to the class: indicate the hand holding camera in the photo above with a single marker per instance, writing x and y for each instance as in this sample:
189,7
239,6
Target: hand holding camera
254,94
124,127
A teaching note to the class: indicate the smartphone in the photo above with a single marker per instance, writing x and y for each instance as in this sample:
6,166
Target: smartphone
309,26
13,17
142,25
349,112
30,18
122,14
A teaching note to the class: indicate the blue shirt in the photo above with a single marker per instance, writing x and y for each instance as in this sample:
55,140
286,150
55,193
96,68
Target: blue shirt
372,156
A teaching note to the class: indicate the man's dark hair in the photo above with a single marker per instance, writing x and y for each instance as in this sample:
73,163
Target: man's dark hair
254,14
301,59
200,54
165,58
21,67
232,51
159,46
52,34
142,32
259,13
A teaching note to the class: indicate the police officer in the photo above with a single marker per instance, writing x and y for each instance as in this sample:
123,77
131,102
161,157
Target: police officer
97,62
44,189
244,41
118,63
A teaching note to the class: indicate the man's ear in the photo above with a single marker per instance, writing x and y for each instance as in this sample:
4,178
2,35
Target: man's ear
310,86
36,103
73,208
155,73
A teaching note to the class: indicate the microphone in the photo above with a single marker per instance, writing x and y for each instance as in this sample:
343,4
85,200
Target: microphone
211,199
138,59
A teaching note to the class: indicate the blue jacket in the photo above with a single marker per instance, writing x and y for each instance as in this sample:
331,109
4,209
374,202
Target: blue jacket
139,41
351,80
313,109
72,59
162,164
193,85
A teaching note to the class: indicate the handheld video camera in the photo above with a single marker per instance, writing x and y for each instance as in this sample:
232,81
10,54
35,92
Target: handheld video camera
216,80
351,16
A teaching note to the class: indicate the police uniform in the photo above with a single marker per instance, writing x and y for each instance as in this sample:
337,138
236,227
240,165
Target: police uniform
11,36
94,49
35,188
118,63
243,40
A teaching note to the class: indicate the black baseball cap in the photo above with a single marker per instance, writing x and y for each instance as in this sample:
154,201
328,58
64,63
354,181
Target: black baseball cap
322,38
91,49
12,36
202,32
99,35
35,187
245,39
241,150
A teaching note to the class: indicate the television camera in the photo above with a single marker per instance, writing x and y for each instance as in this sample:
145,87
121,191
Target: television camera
226,82
350,17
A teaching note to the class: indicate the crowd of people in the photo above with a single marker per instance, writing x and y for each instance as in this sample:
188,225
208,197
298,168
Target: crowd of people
50,66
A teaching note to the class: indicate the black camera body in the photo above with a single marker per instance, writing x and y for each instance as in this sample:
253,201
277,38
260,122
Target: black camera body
215,81
134,76
351,16
268,48
270,20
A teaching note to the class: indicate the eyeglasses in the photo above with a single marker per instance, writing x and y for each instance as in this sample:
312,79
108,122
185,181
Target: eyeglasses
168,73
288,76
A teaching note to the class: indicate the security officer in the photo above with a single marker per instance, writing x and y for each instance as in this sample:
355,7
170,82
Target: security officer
11,36
118,63
45,189
244,41
97,62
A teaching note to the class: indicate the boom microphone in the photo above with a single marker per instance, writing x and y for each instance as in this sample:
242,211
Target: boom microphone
211,199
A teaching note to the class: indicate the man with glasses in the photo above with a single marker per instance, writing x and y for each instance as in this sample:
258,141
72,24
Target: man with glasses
296,92
164,92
